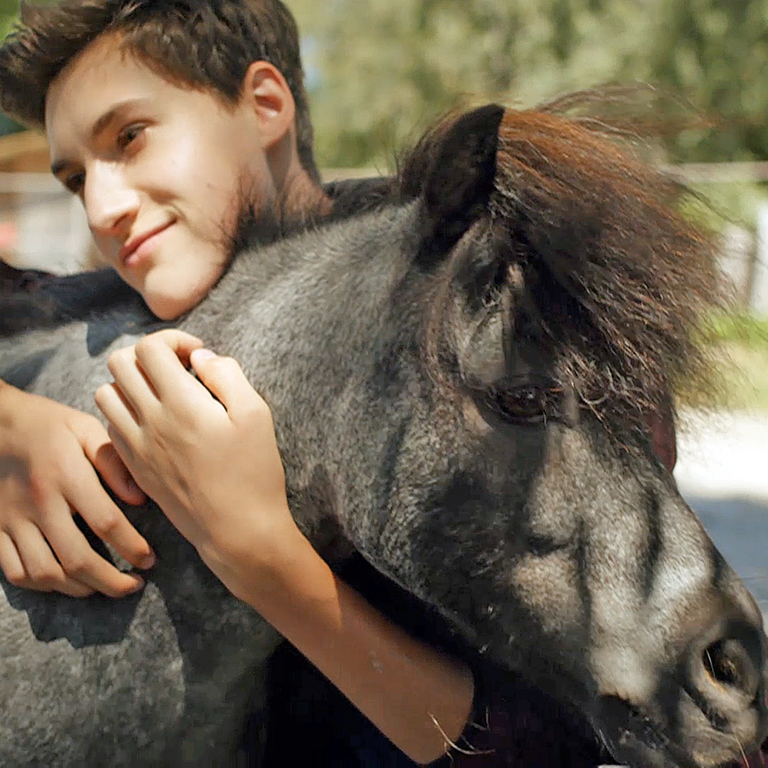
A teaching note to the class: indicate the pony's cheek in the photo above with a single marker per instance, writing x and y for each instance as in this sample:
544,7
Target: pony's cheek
546,587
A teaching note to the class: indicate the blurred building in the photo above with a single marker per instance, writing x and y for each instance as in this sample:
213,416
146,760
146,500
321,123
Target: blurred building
41,225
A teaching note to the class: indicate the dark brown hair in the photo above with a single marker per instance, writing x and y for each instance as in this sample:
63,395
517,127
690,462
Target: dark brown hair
198,43
597,256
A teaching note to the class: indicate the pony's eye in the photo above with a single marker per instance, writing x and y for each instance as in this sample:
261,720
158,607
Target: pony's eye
529,404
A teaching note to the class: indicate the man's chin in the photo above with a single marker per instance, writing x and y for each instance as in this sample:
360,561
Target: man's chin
164,302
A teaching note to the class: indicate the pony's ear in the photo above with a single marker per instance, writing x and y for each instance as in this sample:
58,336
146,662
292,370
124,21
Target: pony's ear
459,173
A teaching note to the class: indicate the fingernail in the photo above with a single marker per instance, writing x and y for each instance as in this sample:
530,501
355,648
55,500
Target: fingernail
203,354
149,560
139,585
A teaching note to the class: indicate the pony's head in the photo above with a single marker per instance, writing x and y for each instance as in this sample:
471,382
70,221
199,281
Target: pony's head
562,295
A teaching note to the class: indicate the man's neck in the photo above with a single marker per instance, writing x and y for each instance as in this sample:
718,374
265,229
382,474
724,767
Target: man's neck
302,197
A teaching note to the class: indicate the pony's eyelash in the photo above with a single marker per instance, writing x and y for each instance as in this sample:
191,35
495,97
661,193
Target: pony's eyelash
527,403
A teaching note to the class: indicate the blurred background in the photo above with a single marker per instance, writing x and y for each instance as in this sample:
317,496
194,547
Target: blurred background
378,71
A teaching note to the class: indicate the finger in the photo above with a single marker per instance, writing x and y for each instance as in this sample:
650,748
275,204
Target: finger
11,565
108,521
102,454
224,377
10,561
79,561
115,474
123,449
164,359
131,383
42,572
116,411
182,344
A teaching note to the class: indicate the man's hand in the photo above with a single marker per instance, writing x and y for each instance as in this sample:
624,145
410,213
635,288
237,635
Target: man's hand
205,452
51,457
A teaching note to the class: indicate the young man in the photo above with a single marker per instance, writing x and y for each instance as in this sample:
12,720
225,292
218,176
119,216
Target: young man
165,119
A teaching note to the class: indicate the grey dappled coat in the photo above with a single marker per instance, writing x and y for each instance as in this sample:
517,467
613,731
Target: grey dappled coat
426,421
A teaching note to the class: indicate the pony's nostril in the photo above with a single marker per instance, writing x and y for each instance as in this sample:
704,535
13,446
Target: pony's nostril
728,663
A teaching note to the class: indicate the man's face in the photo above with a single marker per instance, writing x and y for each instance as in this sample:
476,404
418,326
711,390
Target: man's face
161,171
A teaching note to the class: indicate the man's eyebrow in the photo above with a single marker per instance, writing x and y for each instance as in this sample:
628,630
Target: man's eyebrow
98,127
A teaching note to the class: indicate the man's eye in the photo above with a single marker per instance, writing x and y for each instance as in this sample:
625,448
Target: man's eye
129,134
75,183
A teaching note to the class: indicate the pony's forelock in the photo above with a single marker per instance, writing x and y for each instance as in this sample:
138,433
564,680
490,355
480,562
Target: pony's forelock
616,281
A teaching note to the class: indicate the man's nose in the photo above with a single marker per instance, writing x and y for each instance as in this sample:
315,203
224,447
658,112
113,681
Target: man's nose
110,202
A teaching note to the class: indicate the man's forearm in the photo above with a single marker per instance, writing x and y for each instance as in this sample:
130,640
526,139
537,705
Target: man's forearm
417,696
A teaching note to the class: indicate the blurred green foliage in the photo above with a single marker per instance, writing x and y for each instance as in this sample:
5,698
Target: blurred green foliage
743,366
720,206
745,329
9,9
380,69
717,53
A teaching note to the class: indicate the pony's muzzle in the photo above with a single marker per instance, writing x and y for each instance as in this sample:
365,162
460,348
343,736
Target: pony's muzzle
728,664
719,711
726,679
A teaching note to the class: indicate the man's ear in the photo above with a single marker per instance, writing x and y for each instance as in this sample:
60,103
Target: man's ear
272,101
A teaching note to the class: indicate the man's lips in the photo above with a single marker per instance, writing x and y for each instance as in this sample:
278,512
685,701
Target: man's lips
132,249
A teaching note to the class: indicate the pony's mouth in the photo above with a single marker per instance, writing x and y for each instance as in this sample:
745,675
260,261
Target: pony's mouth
635,739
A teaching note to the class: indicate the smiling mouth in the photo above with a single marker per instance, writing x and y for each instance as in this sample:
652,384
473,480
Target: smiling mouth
133,250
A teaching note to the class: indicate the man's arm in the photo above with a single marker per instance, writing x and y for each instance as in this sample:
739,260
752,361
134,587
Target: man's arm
206,453
51,459
418,697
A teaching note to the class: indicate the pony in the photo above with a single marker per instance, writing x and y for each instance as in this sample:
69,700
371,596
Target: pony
459,376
